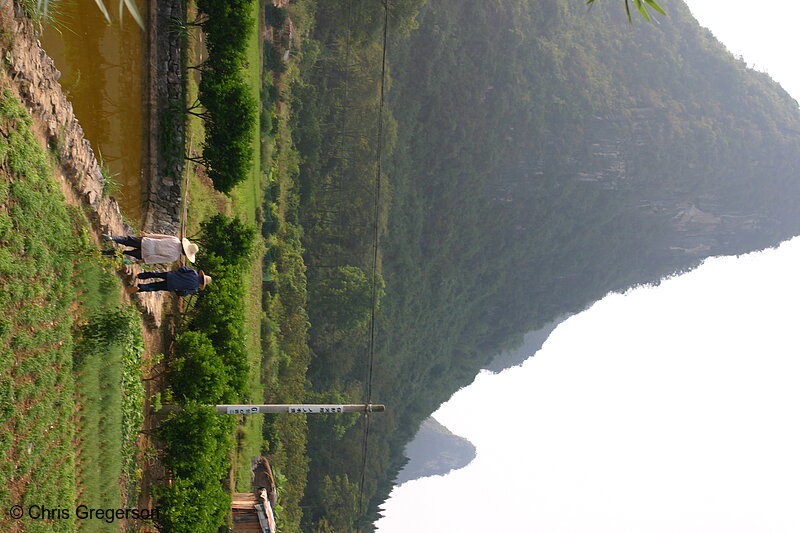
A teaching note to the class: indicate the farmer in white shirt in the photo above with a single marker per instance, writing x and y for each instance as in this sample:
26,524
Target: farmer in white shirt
153,248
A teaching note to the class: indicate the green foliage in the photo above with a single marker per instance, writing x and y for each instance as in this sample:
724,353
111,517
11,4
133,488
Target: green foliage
36,382
107,359
219,314
276,16
227,24
273,58
111,326
197,371
339,505
231,110
208,365
284,338
122,330
210,356
198,443
66,431
230,126
227,238
324,428
530,176
344,298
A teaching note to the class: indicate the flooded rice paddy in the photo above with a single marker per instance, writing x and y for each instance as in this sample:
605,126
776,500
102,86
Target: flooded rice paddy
101,73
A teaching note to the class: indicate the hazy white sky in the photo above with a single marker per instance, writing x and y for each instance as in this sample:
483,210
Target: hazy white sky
669,409
765,33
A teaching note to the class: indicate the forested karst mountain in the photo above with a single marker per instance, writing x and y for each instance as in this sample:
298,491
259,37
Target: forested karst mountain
539,155
532,342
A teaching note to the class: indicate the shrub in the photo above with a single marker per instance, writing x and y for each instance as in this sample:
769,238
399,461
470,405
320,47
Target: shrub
198,443
276,16
220,315
230,126
231,111
198,372
228,238
273,59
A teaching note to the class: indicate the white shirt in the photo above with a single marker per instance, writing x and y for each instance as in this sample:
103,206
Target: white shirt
157,248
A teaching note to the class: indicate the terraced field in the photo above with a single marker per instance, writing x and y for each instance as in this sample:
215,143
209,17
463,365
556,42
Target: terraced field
37,300
69,371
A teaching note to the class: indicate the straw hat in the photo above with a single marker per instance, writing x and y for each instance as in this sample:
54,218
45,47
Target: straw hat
205,279
189,248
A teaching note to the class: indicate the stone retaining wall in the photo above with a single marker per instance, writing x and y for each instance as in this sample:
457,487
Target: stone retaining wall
166,95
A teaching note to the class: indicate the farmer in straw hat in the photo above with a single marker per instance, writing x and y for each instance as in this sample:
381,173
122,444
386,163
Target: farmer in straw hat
152,248
183,281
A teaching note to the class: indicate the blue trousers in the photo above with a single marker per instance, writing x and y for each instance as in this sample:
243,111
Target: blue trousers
133,242
154,286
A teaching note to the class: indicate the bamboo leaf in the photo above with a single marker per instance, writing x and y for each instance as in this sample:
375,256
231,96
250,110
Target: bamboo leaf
642,9
103,10
628,11
654,5
133,10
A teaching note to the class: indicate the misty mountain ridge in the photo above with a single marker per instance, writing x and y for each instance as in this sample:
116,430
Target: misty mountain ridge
435,451
532,342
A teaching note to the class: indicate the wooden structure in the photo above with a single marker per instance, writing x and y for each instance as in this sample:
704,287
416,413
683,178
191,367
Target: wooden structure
252,511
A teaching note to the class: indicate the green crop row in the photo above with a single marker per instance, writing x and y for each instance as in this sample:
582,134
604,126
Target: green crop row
68,404
107,361
36,385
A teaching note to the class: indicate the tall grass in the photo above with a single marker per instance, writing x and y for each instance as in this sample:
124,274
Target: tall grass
110,393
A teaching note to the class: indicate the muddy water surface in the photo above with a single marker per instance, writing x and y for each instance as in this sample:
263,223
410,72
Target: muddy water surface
101,66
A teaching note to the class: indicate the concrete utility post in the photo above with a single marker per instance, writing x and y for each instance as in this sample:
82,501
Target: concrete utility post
298,408
291,408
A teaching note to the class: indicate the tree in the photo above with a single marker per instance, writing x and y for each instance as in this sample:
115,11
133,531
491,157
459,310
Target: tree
345,297
276,16
339,503
231,113
228,238
198,444
198,372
